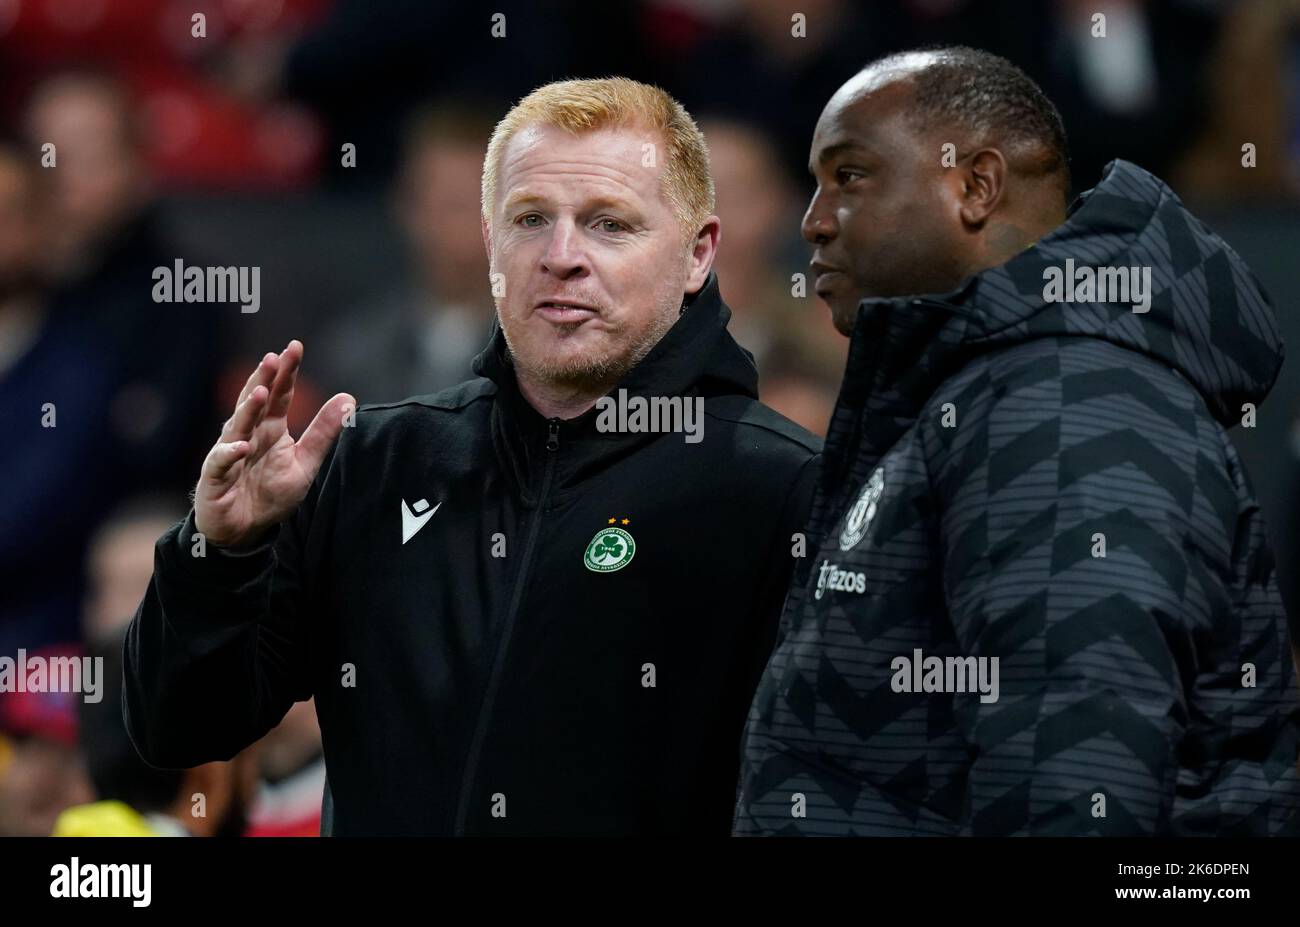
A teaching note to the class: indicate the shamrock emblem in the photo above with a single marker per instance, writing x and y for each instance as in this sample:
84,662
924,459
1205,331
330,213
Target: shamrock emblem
610,548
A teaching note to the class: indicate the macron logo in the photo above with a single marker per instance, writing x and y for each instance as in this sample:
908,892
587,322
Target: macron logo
412,522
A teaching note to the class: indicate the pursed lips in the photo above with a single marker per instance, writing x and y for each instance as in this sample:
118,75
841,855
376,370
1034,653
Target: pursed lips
564,312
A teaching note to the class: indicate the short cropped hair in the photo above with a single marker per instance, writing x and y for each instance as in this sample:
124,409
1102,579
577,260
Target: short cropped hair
983,93
579,106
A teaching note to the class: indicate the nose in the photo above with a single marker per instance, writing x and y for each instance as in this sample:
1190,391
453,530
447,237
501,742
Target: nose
565,257
818,224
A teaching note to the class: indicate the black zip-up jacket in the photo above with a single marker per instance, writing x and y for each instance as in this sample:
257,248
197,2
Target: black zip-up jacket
472,673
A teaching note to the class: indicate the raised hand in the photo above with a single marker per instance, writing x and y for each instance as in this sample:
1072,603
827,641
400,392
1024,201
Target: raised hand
256,474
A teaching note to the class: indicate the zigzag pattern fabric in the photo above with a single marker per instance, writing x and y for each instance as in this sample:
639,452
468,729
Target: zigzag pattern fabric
1050,484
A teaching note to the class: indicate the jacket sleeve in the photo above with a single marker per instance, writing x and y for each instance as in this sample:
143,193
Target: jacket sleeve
217,650
1108,564
784,572
789,571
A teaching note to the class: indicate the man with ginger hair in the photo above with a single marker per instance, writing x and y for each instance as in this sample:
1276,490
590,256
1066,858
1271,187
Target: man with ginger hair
561,629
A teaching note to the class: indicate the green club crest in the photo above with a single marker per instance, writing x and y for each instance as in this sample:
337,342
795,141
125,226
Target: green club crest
611,549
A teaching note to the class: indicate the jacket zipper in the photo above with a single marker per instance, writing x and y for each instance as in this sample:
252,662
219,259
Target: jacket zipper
503,643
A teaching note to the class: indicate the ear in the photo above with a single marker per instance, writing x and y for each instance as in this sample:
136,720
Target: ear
487,236
703,251
983,185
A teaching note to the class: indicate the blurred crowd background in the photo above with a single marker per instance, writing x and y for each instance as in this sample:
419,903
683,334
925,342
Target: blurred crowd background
227,149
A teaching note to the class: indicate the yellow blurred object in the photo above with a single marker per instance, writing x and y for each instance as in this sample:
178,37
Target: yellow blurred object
6,753
102,819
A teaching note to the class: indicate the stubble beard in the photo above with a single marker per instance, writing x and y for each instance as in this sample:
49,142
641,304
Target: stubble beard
594,375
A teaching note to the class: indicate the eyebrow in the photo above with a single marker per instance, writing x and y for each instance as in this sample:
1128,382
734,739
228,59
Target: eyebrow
830,152
599,202
519,199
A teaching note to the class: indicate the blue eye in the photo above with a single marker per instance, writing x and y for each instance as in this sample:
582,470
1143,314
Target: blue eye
524,220
611,225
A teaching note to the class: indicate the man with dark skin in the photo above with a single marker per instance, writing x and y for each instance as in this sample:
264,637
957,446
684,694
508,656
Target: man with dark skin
890,218
1042,601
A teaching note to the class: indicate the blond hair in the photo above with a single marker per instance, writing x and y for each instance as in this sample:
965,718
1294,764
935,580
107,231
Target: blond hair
579,106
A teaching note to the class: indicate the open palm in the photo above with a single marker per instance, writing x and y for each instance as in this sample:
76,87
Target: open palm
256,474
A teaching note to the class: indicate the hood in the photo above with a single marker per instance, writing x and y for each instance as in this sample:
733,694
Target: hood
697,357
1209,318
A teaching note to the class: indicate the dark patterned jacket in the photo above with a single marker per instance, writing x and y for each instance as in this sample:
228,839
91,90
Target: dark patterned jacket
1050,484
